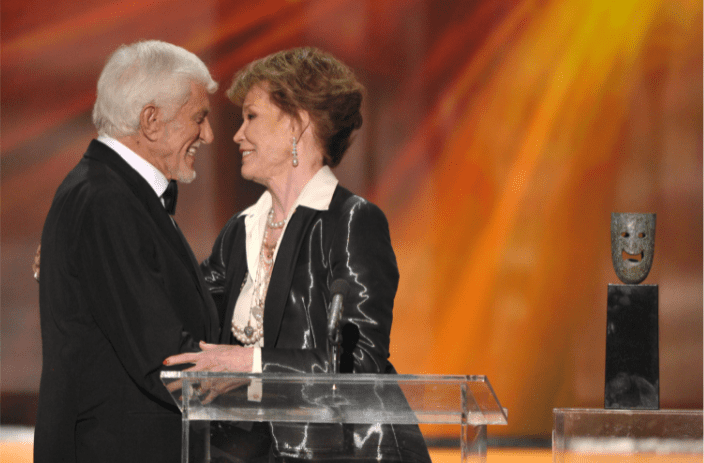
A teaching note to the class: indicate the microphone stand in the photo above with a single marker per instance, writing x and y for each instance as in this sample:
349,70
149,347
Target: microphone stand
338,291
334,347
334,351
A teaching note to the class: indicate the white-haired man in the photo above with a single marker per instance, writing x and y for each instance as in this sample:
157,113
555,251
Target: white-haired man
120,288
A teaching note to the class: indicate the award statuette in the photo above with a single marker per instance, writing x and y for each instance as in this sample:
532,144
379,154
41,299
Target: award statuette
632,376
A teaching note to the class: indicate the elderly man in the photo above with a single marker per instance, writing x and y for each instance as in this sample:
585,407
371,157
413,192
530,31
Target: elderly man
120,288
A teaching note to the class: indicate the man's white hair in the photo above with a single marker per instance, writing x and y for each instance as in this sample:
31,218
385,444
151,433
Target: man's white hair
148,72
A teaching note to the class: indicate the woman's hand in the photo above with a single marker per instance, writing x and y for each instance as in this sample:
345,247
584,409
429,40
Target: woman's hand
216,357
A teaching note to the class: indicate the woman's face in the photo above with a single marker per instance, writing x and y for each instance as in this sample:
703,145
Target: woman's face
265,138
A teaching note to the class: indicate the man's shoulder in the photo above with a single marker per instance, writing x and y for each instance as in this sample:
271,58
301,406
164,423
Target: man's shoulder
91,191
91,181
92,200
100,168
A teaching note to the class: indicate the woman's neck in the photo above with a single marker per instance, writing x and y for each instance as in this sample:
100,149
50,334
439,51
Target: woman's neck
286,190
287,187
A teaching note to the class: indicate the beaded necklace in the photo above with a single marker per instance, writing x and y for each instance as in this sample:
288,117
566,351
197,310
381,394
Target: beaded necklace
250,335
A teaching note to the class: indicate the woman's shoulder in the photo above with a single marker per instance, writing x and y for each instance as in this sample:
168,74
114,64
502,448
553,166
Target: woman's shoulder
235,220
231,229
345,202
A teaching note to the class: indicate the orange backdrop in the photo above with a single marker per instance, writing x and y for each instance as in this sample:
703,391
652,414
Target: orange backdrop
498,138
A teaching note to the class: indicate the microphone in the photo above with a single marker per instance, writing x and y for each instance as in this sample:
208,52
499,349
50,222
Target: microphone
339,290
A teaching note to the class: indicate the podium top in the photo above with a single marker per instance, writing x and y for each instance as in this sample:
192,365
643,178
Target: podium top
335,398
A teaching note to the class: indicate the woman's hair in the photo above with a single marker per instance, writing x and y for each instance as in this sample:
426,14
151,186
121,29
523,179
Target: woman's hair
142,73
314,81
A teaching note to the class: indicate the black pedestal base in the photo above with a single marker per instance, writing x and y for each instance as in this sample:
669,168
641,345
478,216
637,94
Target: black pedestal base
632,368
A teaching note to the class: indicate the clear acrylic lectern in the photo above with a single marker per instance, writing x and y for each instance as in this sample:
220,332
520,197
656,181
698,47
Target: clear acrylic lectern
468,401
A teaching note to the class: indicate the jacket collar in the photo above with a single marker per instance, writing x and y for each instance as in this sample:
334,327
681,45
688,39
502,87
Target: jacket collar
282,273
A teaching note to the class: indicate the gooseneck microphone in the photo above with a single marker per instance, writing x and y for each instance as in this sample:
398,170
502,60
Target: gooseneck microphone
339,290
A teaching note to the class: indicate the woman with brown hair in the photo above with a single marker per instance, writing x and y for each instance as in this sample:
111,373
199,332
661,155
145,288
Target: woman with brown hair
273,264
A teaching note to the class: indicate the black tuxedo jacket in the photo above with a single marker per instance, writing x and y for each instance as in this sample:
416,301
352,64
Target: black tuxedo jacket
120,291
350,241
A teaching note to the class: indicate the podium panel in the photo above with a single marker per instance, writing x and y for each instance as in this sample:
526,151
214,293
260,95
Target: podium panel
287,403
606,435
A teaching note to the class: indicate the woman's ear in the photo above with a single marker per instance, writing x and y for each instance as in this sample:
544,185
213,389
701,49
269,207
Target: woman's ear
300,124
150,122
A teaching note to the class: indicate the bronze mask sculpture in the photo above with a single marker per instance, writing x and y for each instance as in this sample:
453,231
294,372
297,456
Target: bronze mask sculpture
632,245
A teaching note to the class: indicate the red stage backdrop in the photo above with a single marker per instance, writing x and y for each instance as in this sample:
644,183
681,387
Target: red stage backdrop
498,138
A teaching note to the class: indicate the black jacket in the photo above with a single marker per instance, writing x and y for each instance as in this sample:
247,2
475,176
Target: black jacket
350,241
120,291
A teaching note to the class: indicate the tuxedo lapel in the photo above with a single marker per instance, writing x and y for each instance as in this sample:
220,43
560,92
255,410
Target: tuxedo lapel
282,274
146,195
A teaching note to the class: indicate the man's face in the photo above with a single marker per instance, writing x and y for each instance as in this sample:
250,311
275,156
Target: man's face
183,135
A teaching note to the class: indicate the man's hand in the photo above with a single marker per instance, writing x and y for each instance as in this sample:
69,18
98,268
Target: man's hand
35,264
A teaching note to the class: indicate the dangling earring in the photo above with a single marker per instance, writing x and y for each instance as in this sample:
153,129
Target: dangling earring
295,153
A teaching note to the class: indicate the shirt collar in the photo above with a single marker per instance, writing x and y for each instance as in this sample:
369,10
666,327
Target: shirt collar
151,174
317,194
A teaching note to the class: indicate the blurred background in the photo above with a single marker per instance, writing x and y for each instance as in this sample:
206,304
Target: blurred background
498,137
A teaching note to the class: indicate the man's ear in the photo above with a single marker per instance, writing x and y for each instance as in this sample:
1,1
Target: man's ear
150,122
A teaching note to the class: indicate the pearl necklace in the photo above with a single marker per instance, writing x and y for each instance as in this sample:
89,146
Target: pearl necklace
270,220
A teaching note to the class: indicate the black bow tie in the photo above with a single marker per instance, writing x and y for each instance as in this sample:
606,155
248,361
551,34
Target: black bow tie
170,196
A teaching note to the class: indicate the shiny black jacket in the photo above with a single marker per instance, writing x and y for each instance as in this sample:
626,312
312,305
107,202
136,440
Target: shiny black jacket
350,241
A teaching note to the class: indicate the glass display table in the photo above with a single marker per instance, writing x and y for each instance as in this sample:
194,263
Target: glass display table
600,435
468,401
